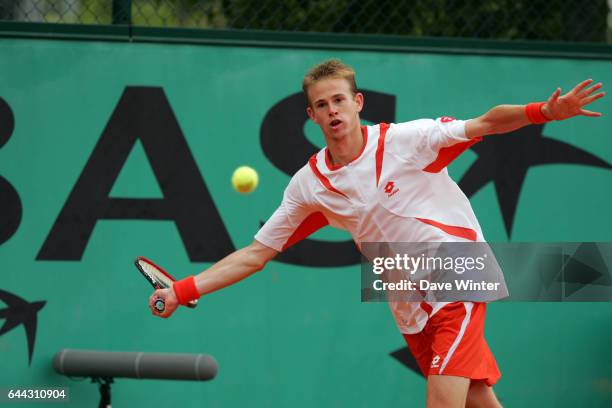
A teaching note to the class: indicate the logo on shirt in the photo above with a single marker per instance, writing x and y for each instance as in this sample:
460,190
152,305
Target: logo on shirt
390,189
445,119
435,361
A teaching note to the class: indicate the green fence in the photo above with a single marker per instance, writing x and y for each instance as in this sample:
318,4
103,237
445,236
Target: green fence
557,20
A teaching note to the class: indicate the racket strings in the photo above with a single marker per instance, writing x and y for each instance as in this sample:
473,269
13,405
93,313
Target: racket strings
159,279
155,274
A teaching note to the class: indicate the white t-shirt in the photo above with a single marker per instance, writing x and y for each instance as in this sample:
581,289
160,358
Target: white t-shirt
397,190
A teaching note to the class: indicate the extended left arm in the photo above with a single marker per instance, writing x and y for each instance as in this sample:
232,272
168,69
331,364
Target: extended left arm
506,118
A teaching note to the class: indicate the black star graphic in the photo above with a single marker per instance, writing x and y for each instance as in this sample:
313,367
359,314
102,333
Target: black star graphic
405,357
505,159
20,312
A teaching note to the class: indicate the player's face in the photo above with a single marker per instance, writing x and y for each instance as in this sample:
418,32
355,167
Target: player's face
334,108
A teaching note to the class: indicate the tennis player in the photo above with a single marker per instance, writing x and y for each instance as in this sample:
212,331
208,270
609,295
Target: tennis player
389,183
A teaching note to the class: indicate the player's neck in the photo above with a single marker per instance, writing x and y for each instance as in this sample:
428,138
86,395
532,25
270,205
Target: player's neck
345,149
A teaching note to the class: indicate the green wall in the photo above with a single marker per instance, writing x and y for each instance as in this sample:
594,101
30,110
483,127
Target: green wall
290,335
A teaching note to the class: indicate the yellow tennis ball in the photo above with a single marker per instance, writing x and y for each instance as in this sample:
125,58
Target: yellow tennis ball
245,179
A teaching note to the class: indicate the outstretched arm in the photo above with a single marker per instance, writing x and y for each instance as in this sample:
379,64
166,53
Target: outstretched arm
506,118
231,269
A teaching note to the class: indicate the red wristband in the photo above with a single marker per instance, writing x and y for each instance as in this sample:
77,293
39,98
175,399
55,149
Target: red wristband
534,113
185,290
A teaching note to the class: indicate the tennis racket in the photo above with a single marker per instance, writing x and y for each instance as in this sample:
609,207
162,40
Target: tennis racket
159,279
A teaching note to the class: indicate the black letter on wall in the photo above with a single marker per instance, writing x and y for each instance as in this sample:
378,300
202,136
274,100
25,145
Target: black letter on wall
10,209
142,113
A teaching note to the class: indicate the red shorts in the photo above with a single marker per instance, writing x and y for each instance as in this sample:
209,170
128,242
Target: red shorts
452,343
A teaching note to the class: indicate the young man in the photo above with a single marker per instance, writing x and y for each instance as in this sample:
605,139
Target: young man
389,183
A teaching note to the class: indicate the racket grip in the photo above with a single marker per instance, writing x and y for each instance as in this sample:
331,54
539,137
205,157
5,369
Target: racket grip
159,305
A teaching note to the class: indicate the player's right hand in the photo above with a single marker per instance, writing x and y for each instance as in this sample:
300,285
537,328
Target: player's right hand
169,298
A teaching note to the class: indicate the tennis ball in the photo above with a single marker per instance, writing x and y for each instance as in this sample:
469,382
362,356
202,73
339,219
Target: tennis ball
245,179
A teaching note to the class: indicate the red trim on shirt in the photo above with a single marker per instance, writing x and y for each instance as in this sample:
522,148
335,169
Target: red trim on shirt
426,306
460,232
380,149
447,154
332,167
310,224
322,178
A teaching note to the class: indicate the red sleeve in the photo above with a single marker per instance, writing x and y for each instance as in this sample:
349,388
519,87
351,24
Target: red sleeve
293,221
431,144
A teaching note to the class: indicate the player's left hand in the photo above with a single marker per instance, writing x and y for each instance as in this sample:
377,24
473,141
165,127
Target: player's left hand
572,103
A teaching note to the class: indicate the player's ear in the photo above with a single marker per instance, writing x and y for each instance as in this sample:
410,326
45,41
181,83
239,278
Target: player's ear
359,101
311,115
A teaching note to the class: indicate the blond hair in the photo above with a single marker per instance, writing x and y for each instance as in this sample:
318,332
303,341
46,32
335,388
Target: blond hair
332,68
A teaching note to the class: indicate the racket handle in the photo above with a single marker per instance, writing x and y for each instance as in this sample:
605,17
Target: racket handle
159,305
